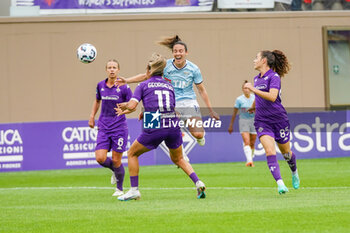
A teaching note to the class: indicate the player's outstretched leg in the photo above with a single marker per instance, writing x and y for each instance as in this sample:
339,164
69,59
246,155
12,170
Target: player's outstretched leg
176,157
200,186
198,133
291,160
275,171
200,189
185,155
135,150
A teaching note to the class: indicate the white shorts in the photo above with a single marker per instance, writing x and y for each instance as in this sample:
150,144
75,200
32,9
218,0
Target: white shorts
188,109
247,125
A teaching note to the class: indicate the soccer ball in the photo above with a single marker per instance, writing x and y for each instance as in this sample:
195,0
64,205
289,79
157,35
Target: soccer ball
86,53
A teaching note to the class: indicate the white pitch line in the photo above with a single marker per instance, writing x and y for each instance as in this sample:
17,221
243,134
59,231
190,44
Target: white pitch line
160,188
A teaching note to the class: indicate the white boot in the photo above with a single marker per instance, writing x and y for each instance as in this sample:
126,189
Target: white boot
132,194
200,189
117,193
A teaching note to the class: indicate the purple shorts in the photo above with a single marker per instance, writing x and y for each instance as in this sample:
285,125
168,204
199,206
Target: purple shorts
116,140
153,137
279,131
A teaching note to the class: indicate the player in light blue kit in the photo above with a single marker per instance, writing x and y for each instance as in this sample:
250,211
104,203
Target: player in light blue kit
246,123
271,120
183,74
158,97
112,129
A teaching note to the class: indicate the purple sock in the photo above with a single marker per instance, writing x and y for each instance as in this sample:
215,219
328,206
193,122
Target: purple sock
107,163
134,181
194,177
292,162
274,167
119,173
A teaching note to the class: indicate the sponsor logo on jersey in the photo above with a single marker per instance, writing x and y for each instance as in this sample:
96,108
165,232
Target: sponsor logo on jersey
115,97
262,86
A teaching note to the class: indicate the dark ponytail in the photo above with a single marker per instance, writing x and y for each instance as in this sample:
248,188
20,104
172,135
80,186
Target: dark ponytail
170,42
277,61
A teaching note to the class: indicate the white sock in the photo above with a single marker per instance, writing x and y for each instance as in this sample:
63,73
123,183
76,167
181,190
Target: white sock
253,155
296,172
280,182
248,153
200,139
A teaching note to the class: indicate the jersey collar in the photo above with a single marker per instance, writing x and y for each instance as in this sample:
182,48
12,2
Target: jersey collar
105,83
172,62
266,74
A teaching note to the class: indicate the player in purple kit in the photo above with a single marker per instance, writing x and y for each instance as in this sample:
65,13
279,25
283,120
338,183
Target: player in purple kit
271,120
112,129
158,99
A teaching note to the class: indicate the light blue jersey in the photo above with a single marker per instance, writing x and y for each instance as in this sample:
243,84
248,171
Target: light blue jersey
183,79
243,104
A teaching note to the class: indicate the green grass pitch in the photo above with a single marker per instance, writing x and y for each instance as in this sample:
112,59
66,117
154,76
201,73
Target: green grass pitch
239,199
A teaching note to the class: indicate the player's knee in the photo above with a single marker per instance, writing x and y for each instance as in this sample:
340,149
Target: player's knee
116,162
100,159
176,160
198,135
132,153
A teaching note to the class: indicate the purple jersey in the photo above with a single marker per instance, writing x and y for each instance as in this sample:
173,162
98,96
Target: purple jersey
110,96
156,93
266,110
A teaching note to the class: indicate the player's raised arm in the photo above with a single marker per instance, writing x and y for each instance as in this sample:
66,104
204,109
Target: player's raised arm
134,79
203,92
